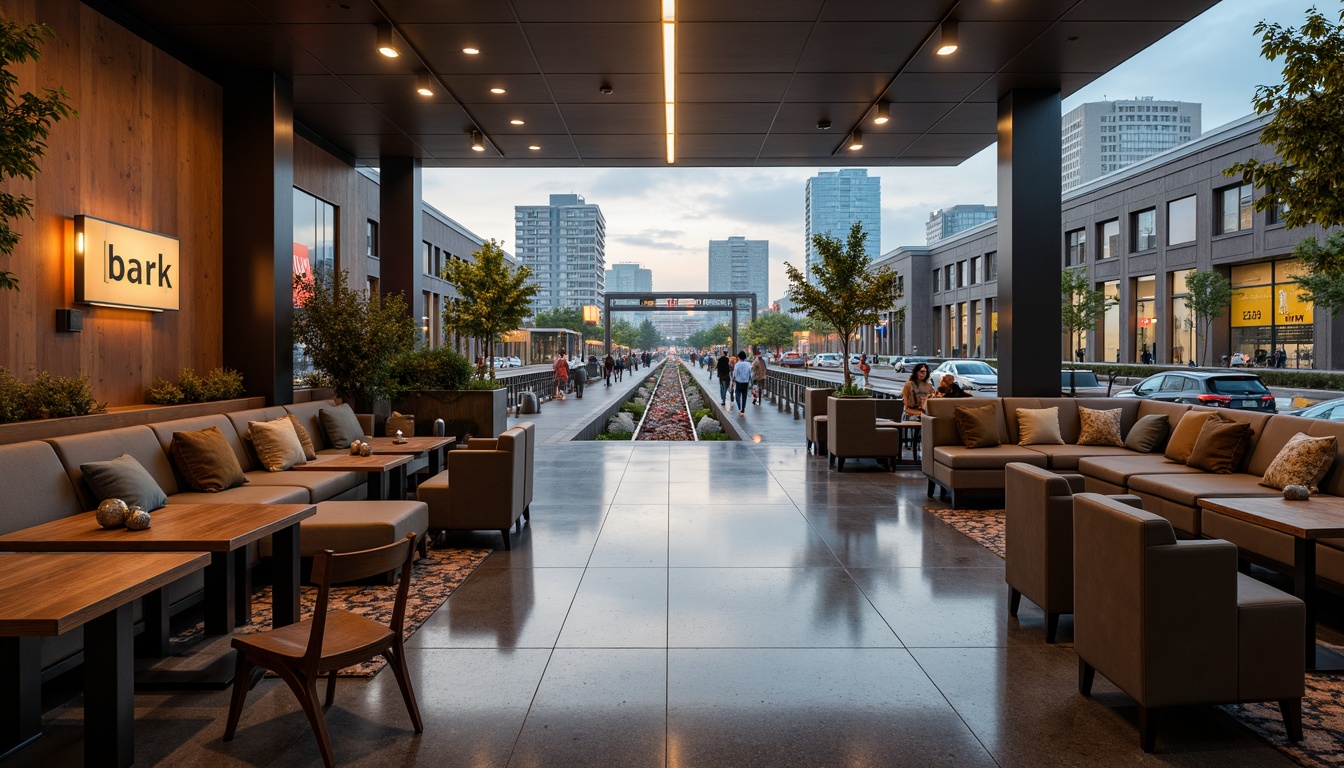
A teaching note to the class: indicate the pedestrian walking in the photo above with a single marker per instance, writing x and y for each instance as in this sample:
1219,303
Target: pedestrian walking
608,365
578,374
741,382
560,377
758,373
725,371
620,367
864,368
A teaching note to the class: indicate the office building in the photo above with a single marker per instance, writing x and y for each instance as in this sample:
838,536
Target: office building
564,244
739,264
946,222
1104,136
837,199
626,277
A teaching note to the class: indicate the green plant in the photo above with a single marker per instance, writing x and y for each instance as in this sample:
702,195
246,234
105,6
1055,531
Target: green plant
25,122
853,390
13,397
192,386
1210,293
1081,305
222,384
772,329
615,436
696,416
649,337
441,368
711,436
353,336
483,385
314,379
844,291
164,392
634,409
494,296
51,397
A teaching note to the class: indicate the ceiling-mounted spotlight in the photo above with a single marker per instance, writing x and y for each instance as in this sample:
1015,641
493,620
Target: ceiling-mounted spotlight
424,84
477,142
471,51
856,140
515,121
534,147
947,38
604,89
387,41
823,125
883,113
498,91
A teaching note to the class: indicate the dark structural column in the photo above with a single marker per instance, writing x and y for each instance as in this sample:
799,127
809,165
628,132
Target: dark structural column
400,231
259,234
1029,243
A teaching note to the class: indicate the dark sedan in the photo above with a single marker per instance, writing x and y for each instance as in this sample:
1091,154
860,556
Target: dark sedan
1225,390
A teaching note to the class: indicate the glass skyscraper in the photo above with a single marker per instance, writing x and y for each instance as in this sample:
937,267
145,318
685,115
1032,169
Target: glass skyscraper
837,199
564,244
1103,136
739,264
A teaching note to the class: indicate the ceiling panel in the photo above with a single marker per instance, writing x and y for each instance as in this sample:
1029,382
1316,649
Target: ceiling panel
984,47
802,118
300,11
1085,46
586,88
969,118
537,118
862,46
599,12
739,47
936,86
503,48
614,118
886,10
606,47
246,46
347,118
718,145
749,10
693,86
622,145
1138,10
519,89
427,117
838,86
949,144
724,118
441,12
328,89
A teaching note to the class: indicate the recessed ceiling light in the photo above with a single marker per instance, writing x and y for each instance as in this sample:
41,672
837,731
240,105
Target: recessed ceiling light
387,43
534,147
515,121
497,90
947,33
471,51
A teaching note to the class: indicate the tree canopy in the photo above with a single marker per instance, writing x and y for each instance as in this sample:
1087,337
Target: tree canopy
845,292
717,336
494,297
1080,307
649,335
772,329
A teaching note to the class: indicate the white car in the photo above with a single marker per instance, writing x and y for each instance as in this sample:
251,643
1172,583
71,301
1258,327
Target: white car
826,360
970,375
515,362
501,362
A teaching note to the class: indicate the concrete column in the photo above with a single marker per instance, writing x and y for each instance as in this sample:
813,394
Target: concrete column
259,234
1029,242
400,230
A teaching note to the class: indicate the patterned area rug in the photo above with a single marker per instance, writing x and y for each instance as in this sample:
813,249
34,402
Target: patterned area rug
433,579
1322,708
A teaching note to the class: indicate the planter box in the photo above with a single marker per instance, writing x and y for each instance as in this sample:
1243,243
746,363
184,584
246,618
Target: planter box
121,416
479,413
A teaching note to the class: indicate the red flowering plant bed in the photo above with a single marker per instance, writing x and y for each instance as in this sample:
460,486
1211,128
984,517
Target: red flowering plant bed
666,417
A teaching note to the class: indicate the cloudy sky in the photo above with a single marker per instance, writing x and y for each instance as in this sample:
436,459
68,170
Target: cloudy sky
664,218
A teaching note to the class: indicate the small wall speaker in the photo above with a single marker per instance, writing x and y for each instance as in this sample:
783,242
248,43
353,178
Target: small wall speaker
69,321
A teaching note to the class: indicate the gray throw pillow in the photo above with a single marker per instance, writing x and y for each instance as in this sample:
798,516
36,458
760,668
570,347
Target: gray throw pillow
341,426
1148,433
126,479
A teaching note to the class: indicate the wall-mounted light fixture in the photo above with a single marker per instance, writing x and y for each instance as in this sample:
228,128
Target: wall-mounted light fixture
947,38
387,41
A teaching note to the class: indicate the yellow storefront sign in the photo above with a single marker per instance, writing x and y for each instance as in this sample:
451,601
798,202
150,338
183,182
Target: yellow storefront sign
1289,309
1252,306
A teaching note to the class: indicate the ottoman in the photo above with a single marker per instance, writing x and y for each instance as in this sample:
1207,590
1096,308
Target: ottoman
351,526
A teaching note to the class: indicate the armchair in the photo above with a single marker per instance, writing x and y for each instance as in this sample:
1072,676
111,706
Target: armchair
483,488
1173,624
852,432
814,417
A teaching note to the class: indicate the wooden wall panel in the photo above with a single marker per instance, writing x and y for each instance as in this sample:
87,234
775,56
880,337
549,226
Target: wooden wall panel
145,151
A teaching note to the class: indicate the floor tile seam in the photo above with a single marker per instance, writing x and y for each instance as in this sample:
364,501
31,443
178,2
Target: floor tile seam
532,702
957,712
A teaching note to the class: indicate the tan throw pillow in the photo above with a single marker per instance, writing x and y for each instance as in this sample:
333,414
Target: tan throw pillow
1220,446
1038,426
1099,427
978,427
1147,433
277,444
1184,435
1303,460
206,460
309,452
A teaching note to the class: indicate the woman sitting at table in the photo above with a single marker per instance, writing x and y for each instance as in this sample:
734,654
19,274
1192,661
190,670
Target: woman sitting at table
916,391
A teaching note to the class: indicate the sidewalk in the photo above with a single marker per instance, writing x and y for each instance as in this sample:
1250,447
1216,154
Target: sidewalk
763,423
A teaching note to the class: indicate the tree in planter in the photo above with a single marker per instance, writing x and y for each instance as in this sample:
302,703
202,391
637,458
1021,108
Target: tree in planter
1081,306
494,297
1306,183
1210,293
353,336
845,292
773,330
25,122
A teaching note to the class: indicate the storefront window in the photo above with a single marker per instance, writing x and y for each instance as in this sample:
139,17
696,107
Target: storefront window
1271,326
964,331
314,252
1183,341
992,340
1145,319
978,340
1109,343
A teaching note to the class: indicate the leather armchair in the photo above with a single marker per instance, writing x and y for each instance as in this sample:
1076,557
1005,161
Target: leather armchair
852,432
1038,539
1173,624
814,417
483,488
530,454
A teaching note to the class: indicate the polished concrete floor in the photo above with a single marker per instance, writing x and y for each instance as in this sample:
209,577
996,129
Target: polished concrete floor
722,604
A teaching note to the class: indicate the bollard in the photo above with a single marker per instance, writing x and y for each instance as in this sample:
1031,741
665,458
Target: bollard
796,414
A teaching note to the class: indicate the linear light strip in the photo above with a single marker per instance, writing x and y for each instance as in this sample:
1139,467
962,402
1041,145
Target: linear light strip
670,75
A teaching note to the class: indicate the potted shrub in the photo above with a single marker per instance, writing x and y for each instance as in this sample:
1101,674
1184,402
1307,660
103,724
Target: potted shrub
439,384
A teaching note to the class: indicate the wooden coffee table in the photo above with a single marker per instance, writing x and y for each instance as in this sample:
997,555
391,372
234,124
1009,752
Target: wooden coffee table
1319,517
223,530
414,446
387,473
44,594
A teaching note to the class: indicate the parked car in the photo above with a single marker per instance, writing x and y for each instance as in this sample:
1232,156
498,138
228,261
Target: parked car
970,375
515,362
904,364
792,359
1226,390
1081,384
1330,410
826,360
501,363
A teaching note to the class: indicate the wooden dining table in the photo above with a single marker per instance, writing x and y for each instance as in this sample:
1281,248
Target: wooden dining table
45,594
386,472
415,446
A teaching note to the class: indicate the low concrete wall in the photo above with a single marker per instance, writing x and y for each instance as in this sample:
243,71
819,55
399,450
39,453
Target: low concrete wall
721,415
592,429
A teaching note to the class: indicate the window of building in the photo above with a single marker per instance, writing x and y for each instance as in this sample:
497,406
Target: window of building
1183,341
991,266
1108,340
371,239
975,270
937,281
1145,319
1234,207
1181,221
427,258
947,277
1143,230
315,254
1267,318
961,274
1110,239
1075,252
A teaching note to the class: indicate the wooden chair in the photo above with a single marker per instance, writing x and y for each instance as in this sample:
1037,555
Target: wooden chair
328,642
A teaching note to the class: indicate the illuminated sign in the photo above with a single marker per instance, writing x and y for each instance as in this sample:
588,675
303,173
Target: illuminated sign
120,266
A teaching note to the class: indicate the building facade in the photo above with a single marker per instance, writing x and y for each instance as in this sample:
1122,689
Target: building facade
946,222
837,199
739,264
1104,136
564,244
1137,233
626,277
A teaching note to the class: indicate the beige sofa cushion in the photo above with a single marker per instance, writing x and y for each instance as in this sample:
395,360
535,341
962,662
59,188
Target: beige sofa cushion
277,444
140,442
1304,460
1184,435
1189,489
1099,427
1068,456
1116,470
321,486
34,473
995,457
1038,426
246,494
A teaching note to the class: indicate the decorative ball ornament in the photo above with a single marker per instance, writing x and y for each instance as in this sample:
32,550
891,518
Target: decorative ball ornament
138,520
1296,492
355,447
112,513
365,449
